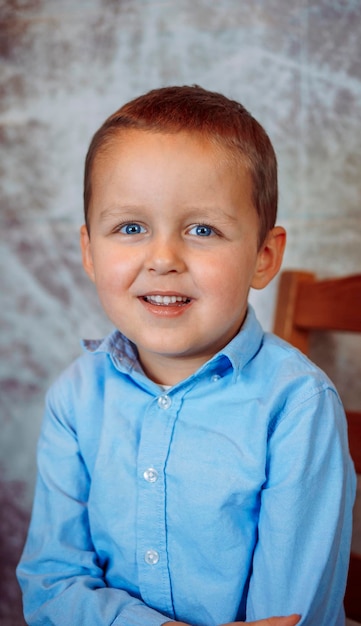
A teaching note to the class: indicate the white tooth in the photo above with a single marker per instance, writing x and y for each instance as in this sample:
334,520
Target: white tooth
166,300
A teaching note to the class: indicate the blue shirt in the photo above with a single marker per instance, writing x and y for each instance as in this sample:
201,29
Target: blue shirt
226,497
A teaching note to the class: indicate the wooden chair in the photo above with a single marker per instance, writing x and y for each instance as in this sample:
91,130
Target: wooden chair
305,304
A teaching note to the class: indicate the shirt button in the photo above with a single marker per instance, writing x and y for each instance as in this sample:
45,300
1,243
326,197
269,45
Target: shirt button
151,557
215,377
151,475
164,402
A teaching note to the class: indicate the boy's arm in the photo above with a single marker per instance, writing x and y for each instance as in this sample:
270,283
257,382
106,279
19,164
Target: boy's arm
306,515
59,572
290,620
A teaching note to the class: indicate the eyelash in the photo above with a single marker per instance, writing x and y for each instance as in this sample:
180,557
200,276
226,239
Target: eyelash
205,227
138,229
122,228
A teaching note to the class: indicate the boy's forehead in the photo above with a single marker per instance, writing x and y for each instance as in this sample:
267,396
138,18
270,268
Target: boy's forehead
135,164
121,183
132,141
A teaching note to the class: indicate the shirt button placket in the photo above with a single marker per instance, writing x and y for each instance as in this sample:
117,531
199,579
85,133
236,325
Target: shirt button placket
151,532
151,557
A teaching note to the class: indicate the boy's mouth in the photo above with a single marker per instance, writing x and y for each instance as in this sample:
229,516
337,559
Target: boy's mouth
159,300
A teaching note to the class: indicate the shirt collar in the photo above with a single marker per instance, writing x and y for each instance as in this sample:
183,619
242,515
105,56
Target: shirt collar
238,352
243,347
122,351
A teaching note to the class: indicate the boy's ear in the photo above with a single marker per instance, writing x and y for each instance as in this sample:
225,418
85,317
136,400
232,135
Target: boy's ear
269,258
86,253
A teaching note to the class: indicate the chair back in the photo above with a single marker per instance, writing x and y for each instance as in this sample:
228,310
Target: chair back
304,305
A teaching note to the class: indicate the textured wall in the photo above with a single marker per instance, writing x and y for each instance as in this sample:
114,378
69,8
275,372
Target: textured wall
67,65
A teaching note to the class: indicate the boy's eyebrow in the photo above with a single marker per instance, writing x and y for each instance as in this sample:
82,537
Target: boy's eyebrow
194,213
115,211
210,214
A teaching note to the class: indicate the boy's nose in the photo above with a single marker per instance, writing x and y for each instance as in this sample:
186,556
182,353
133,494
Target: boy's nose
165,256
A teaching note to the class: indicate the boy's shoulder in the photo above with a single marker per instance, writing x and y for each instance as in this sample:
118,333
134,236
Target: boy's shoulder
287,357
287,369
97,363
79,394
270,359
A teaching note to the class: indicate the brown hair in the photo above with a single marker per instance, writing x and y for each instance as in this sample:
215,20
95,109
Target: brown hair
221,120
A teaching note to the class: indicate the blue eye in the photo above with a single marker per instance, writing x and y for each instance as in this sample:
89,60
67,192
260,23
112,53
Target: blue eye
131,229
201,230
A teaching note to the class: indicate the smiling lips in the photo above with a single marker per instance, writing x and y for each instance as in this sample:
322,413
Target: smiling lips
159,300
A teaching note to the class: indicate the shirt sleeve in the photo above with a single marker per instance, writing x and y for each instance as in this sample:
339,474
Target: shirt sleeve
301,557
59,572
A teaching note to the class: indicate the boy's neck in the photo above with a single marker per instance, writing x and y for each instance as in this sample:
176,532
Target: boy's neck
168,371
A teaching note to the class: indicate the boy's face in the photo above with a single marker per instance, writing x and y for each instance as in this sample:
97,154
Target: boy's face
173,247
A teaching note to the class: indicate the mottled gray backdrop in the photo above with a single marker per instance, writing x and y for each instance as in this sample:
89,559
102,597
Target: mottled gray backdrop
66,65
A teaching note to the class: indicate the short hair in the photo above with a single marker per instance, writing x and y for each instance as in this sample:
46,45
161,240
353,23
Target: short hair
212,115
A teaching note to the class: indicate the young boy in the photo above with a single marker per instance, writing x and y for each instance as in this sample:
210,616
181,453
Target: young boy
192,468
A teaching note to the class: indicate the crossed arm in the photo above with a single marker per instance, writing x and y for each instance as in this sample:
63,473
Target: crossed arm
290,620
